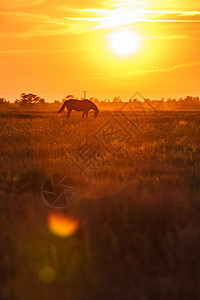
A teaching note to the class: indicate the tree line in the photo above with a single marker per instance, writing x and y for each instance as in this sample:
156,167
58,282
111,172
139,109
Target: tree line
32,99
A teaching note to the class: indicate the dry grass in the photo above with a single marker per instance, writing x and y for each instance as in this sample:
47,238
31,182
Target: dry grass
139,216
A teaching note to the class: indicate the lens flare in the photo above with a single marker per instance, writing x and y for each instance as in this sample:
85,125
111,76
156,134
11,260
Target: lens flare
47,274
62,225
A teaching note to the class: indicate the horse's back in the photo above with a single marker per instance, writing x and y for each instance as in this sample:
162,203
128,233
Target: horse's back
79,105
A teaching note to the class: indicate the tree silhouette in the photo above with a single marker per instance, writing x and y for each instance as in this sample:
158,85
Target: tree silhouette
117,99
29,99
4,101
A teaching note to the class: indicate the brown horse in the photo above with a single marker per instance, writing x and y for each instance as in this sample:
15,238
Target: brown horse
79,105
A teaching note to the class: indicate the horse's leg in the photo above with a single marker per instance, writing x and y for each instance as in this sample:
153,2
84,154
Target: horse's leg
83,114
68,114
87,113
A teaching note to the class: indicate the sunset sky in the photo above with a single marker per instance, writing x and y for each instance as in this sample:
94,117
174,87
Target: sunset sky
54,48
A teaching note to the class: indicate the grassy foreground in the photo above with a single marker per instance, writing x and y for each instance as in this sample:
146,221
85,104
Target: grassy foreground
138,214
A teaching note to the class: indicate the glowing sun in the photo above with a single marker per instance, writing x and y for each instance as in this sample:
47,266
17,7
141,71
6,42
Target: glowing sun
124,42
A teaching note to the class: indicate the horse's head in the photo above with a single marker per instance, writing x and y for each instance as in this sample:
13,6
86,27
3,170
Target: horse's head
96,113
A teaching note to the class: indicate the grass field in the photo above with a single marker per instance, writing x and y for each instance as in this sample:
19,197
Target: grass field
137,212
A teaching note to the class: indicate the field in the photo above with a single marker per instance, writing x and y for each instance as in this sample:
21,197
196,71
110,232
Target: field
136,216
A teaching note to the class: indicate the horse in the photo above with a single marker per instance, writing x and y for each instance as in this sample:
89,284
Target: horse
79,105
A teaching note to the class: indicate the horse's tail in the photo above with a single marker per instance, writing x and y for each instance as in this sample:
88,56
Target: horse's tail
62,108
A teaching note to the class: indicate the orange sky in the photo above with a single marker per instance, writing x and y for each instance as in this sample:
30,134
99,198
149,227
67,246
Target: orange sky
54,48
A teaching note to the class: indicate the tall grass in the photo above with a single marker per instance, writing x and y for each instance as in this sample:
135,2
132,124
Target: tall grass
139,216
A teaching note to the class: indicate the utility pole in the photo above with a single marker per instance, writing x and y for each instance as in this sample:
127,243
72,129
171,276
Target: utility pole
84,94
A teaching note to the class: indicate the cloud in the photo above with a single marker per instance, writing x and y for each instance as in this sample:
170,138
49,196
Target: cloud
77,20
190,13
18,51
157,69
167,37
121,16
23,24
173,21
157,4
15,52
11,4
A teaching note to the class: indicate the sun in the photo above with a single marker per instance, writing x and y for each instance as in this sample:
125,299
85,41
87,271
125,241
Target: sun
124,42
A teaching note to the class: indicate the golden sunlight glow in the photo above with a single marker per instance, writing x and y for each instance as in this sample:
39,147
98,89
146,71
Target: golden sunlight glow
62,225
104,44
124,42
